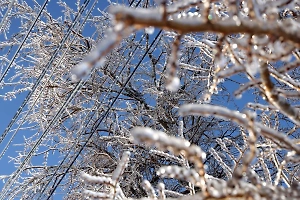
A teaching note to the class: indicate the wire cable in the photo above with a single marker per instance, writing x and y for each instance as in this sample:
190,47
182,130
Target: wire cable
11,180
94,129
14,119
97,107
53,121
23,42
41,90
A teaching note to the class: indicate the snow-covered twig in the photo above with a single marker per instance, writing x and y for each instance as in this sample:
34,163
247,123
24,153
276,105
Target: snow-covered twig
274,98
180,173
178,146
240,118
97,57
141,18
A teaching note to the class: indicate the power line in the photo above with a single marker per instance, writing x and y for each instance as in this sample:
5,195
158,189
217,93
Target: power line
22,43
61,43
94,129
92,116
40,92
11,180
97,107
57,115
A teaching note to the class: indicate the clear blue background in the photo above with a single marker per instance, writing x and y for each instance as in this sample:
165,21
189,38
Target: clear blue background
9,108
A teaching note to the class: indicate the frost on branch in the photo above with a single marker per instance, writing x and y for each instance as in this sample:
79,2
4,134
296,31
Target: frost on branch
235,186
96,58
108,184
206,49
275,99
164,142
240,118
174,84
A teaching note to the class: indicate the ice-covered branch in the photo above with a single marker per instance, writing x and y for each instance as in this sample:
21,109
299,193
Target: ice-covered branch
183,5
149,189
177,146
121,166
285,79
240,118
173,82
180,173
112,182
97,179
225,167
166,156
95,195
289,66
260,106
97,57
141,18
275,99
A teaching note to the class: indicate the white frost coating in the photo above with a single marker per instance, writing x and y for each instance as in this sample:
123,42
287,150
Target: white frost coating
174,85
175,6
230,71
149,189
166,155
261,107
240,118
161,190
141,134
180,173
96,179
207,110
153,17
210,177
81,70
106,43
285,78
96,58
191,67
165,142
253,67
5,17
96,194
211,44
140,13
225,167
121,166
260,40
149,30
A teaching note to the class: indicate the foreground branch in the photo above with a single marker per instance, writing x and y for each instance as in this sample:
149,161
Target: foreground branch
240,118
275,99
141,18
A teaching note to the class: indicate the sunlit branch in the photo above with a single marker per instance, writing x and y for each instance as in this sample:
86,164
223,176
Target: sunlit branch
275,99
240,118
141,18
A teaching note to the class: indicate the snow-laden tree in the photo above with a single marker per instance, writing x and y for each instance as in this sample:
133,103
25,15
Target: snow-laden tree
139,99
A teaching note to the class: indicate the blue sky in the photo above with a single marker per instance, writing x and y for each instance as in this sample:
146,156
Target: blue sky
9,108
